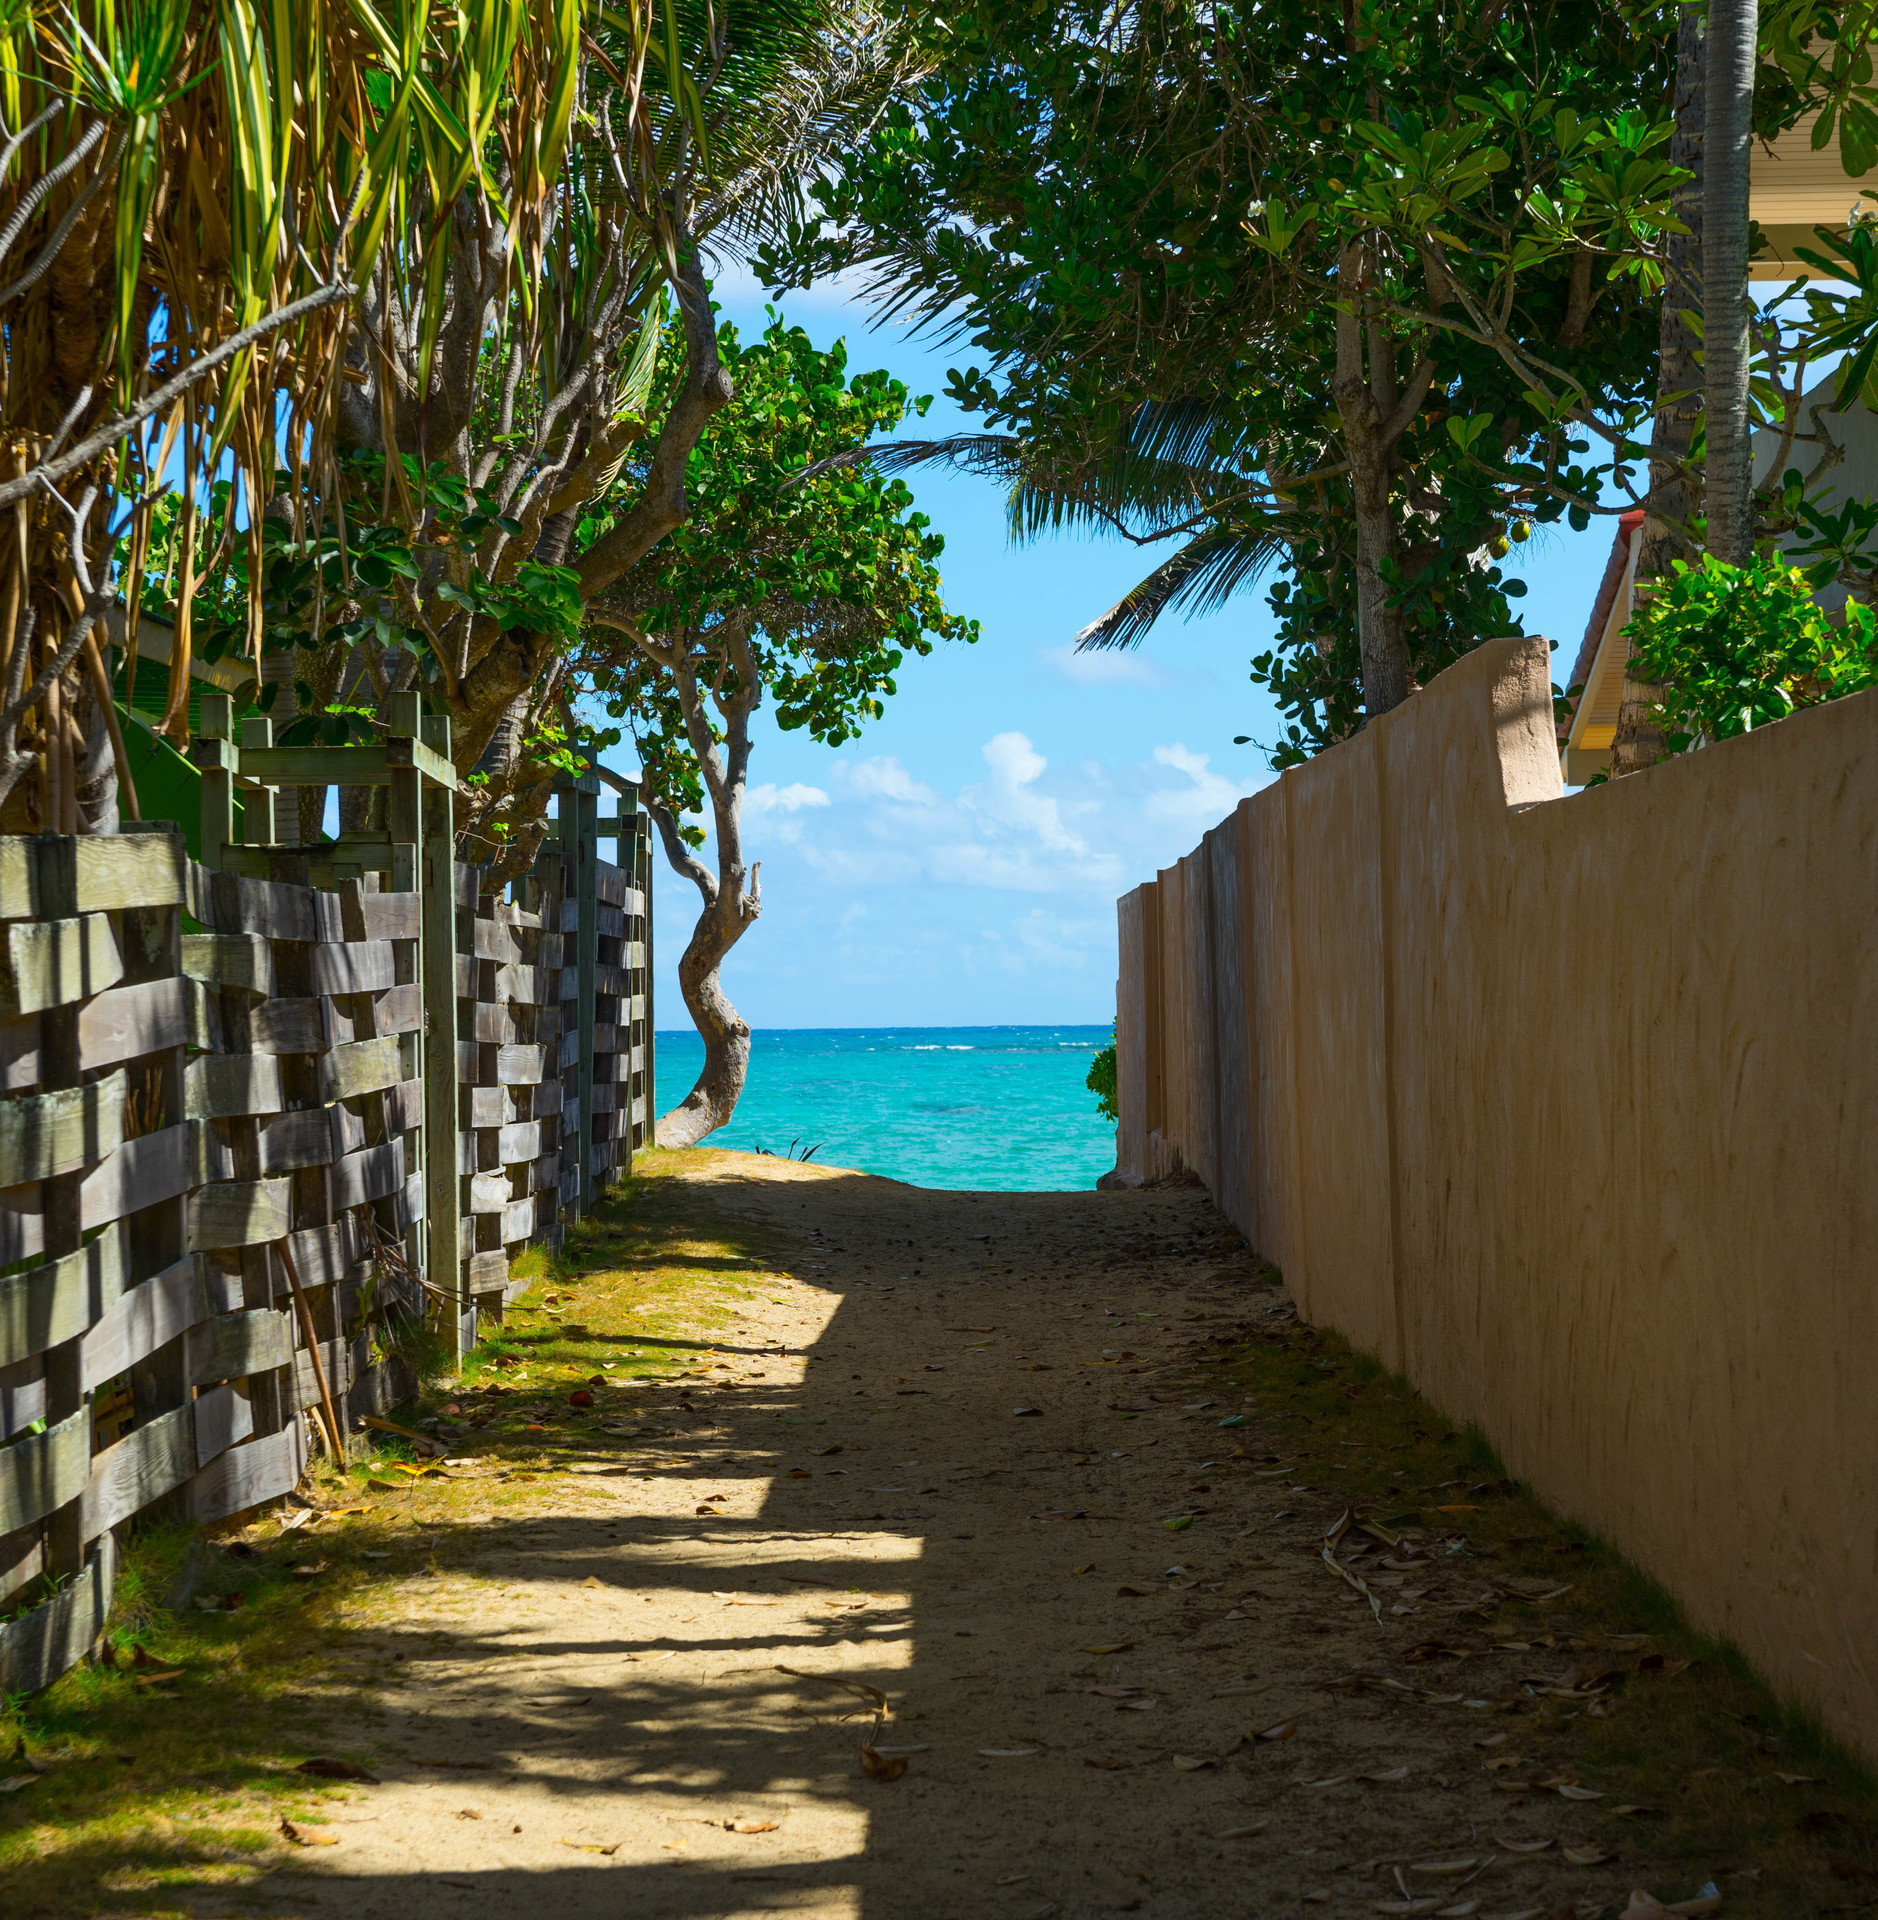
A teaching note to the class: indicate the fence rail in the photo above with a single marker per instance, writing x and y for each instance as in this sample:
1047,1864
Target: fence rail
255,1110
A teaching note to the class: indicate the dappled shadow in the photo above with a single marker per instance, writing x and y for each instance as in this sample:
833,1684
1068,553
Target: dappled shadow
536,1722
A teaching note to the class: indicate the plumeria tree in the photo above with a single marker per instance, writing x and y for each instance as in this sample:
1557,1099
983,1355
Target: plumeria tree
803,577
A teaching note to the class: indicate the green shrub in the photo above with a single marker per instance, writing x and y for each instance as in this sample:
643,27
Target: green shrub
1737,647
1101,1081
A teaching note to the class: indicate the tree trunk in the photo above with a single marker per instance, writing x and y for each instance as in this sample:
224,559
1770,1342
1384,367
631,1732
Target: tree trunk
1733,33
724,1031
1379,626
1674,500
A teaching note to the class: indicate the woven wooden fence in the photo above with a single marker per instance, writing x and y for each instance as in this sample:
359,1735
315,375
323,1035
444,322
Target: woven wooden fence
253,1113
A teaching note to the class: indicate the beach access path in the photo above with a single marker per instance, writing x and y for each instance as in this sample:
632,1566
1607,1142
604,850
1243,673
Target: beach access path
814,1544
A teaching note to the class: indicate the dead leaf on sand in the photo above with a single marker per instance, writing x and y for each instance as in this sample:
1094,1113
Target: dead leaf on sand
303,1835
1646,1906
1523,1846
1192,1762
882,1766
310,1569
1008,1753
1112,1646
1447,1869
15,1781
467,1813
1243,1833
750,1826
587,1846
1586,1856
1282,1731
823,1452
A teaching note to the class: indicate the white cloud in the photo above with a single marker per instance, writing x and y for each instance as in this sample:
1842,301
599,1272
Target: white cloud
883,778
769,811
1206,799
1106,669
793,798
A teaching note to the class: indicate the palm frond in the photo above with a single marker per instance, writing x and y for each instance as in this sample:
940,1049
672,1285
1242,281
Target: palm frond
1200,578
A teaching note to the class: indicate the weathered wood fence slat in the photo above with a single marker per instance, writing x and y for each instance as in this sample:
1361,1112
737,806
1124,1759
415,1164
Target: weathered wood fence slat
363,1052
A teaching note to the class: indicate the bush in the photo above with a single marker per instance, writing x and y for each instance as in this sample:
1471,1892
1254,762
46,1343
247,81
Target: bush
1737,647
1101,1081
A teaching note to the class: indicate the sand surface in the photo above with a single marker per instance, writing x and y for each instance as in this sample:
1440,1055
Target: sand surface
599,1723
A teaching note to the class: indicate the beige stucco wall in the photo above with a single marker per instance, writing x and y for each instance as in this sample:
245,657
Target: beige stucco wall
1567,1108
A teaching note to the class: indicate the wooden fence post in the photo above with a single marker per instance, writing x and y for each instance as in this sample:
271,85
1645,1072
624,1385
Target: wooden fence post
442,1210
585,798
216,759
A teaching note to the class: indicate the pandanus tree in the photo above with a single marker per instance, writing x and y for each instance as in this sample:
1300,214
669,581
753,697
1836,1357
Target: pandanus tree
488,406
193,196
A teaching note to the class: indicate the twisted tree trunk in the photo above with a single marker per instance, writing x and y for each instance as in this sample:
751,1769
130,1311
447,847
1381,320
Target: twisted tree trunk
733,895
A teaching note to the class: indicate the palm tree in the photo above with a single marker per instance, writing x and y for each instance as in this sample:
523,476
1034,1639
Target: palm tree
1733,33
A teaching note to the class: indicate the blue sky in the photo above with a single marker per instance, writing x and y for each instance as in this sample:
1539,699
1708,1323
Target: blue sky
959,864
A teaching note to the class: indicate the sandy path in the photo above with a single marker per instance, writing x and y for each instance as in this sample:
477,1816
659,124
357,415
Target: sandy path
603,1672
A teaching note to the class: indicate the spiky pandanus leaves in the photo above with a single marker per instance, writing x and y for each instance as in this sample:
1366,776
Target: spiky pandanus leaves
197,189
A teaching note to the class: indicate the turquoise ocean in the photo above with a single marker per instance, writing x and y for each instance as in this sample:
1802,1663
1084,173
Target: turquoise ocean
985,1107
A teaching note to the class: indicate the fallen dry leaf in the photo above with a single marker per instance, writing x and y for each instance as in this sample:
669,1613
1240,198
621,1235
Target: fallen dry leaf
336,1770
467,1813
1385,1778
1192,1762
586,1846
1245,1832
798,1473
382,1486
1282,1731
156,1679
303,1835
309,1569
1116,1646
1008,1753
1090,1567
1523,1846
757,1826
821,1453
15,1781
1586,1856
1646,1906
1446,1869
882,1766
